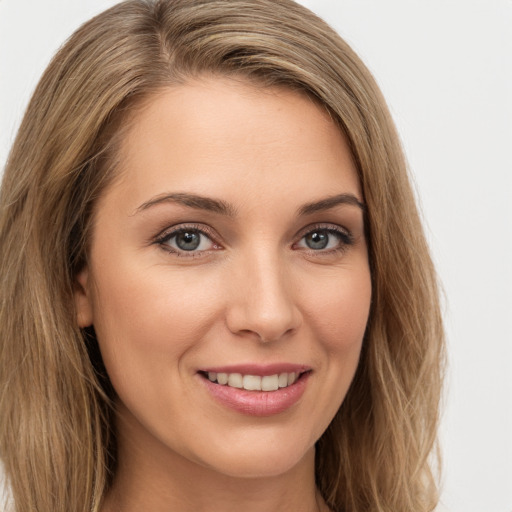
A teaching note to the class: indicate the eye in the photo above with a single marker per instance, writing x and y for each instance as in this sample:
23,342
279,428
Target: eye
186,241
325,239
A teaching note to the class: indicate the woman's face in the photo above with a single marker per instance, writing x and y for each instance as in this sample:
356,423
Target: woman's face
230,248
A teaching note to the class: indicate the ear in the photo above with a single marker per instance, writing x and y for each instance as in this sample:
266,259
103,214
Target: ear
83,299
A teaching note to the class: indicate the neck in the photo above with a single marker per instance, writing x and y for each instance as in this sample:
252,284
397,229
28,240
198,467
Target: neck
161,480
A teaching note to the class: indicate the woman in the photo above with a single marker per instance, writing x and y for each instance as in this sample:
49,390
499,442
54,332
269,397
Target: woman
216,292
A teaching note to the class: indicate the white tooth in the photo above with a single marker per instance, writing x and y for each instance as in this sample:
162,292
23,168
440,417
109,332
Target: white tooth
283,380
291,378
252,382
212,376
222,378
270,383
235,380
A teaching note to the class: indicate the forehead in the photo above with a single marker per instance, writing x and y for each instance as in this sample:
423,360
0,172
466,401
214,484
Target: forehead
223,137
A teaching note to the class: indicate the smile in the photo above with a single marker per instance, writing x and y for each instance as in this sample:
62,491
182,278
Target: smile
257,390
254,382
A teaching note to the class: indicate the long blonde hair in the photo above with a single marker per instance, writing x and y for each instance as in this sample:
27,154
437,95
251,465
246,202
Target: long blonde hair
56,437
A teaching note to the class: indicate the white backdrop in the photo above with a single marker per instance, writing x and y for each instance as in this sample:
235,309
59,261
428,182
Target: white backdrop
445,67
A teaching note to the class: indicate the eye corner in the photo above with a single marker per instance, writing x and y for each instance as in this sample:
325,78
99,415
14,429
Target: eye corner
321,239
196,240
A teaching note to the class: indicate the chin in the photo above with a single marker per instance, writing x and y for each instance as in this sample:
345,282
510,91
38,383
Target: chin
264,459
259,468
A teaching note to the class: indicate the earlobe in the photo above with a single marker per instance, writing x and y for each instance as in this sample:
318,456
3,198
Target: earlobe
83,306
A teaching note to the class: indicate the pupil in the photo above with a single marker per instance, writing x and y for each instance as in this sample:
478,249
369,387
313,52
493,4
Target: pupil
317,240
188,241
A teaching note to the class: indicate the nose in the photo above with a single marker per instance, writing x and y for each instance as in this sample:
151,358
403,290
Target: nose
263,302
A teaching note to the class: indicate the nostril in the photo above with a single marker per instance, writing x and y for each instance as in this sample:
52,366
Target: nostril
265,309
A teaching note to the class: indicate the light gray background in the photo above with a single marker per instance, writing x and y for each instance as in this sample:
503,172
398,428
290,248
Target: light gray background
445,67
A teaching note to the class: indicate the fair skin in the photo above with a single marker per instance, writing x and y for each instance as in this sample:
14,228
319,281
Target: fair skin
232,242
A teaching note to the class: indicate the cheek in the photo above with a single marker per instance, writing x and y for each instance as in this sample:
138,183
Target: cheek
340,311
338,315
149,320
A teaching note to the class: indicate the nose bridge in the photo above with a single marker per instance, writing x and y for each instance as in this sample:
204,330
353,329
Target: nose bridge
264,302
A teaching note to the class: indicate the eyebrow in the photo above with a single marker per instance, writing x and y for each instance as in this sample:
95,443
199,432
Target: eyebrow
199,202
191,201
331,202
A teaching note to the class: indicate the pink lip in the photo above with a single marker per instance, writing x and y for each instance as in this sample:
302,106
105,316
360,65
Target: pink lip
258,403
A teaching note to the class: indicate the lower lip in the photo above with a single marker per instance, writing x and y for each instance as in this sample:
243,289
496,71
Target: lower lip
257,403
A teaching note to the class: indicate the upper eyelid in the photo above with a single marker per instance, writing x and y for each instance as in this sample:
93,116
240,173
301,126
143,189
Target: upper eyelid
344,235
329,226
168,234
178,228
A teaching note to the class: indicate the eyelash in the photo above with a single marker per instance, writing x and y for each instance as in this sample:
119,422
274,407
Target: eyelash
344,237
163,240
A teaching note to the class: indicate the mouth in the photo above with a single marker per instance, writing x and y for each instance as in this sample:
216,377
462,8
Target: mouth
257,390
251,382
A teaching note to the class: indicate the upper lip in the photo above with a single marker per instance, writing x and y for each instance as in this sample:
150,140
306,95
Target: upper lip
258,369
